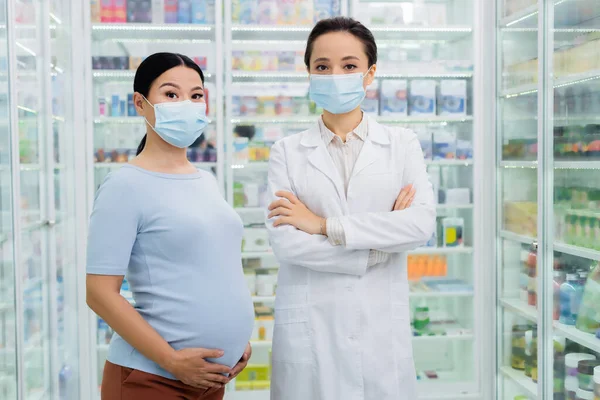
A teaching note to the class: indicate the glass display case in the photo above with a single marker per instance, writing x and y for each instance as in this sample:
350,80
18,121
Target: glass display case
39,350
121,34
548,137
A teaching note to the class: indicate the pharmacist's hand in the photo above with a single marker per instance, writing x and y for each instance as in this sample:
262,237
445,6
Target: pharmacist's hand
292,212
190,367
405,198
241,365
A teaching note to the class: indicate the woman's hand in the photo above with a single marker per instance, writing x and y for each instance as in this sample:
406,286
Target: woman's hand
190,367
292,212
405,198
241,365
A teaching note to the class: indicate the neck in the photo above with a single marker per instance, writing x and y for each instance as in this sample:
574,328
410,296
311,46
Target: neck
162,155
342,124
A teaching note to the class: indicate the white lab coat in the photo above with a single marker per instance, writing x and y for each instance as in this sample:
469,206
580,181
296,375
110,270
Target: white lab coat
342,330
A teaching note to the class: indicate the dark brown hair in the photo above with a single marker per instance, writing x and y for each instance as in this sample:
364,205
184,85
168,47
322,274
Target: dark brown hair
342,24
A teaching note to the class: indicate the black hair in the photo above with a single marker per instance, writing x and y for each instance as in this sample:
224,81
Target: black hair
342,24
153,67
247,131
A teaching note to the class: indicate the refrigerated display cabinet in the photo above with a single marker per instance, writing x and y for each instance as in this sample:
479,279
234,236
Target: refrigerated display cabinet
548,88
39,336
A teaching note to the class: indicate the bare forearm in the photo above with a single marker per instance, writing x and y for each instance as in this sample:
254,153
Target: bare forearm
120,315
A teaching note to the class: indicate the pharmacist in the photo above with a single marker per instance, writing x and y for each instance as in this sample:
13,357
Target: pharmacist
350,198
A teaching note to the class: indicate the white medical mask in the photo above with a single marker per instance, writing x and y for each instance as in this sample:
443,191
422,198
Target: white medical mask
179,123
337,94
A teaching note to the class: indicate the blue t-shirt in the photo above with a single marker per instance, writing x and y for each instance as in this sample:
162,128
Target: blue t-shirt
178,243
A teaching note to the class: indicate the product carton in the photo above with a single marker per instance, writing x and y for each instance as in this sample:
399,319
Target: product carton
394,98
422,97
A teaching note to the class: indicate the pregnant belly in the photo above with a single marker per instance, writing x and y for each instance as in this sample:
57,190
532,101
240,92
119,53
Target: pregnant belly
221,321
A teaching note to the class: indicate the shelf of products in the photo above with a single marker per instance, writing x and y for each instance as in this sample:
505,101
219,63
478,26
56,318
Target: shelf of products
523,382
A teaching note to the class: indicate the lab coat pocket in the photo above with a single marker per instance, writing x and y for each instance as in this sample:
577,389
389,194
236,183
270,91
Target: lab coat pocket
292,337
402,331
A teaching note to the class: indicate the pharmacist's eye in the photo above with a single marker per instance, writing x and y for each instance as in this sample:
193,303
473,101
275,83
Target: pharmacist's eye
350,67
321,68
171,95
198,96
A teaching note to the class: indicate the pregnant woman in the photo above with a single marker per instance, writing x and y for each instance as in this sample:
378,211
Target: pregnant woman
350,198
164,224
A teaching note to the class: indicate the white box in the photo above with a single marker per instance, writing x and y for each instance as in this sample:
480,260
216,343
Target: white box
453,97
422,97
394,97
256,240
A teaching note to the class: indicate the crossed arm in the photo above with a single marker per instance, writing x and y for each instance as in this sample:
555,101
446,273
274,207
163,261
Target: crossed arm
298,235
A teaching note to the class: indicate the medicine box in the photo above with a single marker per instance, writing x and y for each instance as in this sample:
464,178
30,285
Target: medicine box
453,97
394,97
422,97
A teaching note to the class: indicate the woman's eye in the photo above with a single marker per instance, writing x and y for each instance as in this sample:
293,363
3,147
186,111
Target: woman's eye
171,95
198,96
321,68
350,67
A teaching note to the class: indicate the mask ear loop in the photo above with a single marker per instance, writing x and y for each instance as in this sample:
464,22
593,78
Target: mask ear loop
367,73
151,105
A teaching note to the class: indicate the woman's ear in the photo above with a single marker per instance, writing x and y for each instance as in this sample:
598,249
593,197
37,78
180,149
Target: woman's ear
140,103
370,75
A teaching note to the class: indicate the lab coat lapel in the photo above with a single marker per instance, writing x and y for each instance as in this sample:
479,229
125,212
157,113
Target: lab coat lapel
320,158
369,154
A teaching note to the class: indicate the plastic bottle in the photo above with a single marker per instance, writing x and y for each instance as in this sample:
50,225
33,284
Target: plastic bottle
588,319
559,279
569,302
63,381
597,383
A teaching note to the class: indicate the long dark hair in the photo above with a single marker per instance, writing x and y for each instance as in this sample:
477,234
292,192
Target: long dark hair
342,24
153,67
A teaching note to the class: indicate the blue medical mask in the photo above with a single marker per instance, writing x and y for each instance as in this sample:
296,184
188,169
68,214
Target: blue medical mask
337,94
179,123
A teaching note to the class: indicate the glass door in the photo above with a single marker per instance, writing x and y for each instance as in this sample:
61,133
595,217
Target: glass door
425,81
8,345
63,274
517,202
572,267
32,68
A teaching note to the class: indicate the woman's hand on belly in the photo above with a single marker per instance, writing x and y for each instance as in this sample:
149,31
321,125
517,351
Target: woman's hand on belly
241,365
190,367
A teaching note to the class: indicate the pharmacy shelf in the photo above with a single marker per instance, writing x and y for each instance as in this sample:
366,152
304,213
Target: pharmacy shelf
577,165
449,163
438,119
126,75
256,344
263,299
575,335
442,250
435,294
567,80
151,32
118,120
519,16
577,251
268,32
515,237
305,120
530,313
520,308
521,380
257,254
447,207
518,164
268,76
446,33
